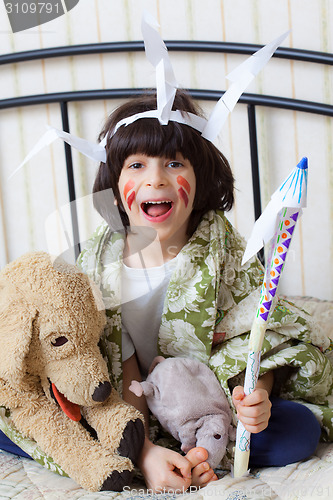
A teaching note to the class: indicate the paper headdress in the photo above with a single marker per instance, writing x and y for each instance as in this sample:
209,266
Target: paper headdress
166,86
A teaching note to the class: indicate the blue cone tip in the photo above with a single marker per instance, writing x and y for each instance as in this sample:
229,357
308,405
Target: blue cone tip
303,164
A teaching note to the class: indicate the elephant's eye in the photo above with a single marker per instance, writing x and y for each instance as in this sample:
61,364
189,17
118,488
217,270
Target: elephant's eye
59,341
217,436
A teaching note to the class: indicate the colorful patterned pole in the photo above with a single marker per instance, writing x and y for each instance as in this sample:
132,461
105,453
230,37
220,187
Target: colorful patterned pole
294,191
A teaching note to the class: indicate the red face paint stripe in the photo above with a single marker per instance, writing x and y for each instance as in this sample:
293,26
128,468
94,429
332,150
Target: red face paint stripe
131,199
183,196
128,186
183,182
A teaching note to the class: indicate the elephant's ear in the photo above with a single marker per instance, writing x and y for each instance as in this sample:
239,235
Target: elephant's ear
155,362
16,325
150,390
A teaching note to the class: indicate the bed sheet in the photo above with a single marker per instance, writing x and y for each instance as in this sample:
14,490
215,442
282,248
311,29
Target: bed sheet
24,479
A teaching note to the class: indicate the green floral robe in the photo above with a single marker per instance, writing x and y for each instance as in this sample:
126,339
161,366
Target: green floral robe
208,312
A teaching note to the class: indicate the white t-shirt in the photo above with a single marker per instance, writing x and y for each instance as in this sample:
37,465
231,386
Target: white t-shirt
143,293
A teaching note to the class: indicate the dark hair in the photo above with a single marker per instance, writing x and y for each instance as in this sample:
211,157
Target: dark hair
214,179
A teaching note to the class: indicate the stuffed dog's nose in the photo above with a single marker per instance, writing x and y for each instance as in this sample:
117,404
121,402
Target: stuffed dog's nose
102,392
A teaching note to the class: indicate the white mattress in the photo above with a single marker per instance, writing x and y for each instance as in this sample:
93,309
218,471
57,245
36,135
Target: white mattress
24,479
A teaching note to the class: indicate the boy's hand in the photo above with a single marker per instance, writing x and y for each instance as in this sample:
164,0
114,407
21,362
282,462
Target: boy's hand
254,410
163,469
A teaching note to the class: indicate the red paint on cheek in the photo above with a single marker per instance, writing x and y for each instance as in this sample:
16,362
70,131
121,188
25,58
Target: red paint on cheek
130,199
128,186
183,182
183,196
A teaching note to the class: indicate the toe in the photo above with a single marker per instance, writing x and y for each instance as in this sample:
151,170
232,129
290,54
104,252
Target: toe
196,455
201,469
201,478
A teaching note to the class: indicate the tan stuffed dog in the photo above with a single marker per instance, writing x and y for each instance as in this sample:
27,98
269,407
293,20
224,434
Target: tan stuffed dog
52,372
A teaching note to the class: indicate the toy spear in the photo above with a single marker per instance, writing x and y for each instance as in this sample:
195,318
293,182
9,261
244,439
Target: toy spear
277,223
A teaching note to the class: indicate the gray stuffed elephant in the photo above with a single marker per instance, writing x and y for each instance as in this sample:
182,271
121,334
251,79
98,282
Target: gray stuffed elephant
189,402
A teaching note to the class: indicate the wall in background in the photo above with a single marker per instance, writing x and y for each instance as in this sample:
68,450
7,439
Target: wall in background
29,198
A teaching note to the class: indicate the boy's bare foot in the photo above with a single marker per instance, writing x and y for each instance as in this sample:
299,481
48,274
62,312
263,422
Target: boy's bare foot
202,473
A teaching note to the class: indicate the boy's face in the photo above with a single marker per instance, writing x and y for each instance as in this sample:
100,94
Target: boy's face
158,192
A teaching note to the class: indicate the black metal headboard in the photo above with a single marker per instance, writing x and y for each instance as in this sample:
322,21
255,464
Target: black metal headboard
251,100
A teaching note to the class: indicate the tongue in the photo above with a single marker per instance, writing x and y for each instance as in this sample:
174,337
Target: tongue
155,210
72,410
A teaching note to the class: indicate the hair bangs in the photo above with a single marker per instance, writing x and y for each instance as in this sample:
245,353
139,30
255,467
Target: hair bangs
147,136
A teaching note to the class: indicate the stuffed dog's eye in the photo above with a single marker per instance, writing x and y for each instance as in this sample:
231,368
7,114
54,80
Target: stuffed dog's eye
59,341
217,436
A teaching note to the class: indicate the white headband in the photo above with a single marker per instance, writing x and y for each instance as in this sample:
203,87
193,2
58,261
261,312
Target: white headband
166,87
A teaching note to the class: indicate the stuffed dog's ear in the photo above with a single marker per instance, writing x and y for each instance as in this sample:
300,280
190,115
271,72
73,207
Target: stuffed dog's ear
16,325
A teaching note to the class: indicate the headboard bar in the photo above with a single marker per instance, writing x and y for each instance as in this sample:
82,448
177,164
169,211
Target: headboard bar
200,94
172,45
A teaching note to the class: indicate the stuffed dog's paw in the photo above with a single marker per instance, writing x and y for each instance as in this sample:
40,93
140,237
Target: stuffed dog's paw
117,480
132,441
119,426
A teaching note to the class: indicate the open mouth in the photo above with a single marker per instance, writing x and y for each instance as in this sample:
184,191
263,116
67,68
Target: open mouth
155,209
72,410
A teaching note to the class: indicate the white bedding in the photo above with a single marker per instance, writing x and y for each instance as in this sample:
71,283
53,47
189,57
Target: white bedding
24,479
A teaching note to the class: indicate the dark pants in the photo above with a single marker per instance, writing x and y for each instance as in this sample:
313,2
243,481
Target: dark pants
7,445
292,435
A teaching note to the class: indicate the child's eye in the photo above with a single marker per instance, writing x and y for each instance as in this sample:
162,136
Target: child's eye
136,165
175,164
